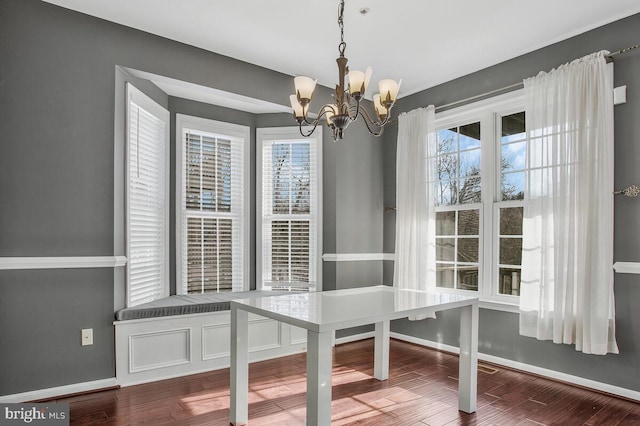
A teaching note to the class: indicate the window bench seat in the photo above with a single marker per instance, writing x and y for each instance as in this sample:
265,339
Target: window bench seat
187,304
188,334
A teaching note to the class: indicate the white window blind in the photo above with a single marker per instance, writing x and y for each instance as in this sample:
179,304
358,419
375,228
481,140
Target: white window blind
147,201
212,194
290,214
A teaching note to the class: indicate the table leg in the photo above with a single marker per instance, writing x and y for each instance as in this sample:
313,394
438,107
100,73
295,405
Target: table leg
381,352
239,382
468,367
319,378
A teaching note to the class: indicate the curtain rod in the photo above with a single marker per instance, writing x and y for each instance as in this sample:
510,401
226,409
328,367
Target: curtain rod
482,95
519,84
625,50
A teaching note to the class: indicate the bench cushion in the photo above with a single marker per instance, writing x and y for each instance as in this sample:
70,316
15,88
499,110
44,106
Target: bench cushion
188,304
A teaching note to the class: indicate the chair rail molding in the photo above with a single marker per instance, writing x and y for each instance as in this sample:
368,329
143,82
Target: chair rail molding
16,263
356,257
627,267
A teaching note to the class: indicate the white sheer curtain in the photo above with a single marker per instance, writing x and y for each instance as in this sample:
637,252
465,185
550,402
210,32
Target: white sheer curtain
415,257
567,276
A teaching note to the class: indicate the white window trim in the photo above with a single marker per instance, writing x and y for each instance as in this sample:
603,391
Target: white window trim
223,129
284,134
501,110
487,112
145,102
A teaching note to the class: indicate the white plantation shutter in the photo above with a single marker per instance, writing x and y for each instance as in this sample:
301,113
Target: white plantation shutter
213,212
290,214
147,201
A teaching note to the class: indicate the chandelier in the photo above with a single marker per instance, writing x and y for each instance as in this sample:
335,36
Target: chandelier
346,107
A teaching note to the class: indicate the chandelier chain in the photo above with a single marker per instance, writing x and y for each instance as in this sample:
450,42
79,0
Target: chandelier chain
341,20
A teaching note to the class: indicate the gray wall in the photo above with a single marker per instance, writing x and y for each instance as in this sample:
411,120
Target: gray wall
60,81
357,193
353,194
499,330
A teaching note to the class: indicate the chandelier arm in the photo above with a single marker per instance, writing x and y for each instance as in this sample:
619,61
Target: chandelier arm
306,121
306,135
305,118
378,123
321,113
315,122
369,122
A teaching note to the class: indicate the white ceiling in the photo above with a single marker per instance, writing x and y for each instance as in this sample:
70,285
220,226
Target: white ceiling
423,42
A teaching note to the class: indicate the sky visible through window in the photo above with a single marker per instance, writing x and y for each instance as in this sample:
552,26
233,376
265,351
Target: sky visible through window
291,177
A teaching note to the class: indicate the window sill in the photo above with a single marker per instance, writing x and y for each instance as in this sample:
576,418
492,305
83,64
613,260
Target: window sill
499,306
498,303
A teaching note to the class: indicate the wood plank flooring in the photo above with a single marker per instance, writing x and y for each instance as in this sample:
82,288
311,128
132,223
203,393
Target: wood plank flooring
421,390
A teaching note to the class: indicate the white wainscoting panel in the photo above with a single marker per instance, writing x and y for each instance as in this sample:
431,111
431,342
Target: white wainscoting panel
144,353
216,341
204,348
264,334
297,335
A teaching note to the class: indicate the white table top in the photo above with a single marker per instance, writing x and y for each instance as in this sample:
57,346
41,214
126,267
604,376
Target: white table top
338,309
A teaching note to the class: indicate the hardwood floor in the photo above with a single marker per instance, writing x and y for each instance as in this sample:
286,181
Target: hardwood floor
421,390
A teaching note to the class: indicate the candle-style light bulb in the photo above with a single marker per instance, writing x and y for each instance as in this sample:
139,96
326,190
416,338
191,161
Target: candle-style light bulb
298,110
381,110
389,91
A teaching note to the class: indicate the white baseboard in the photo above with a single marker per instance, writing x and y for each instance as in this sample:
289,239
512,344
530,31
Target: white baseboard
544,372
58,391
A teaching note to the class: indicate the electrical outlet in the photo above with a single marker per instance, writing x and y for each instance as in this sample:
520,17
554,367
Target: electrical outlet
87,336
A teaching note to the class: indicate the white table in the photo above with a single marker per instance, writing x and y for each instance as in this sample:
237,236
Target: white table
322,313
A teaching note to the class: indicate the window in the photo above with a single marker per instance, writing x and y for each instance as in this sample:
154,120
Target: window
479,168
211,206
458,197
509,208
289,220
147,183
